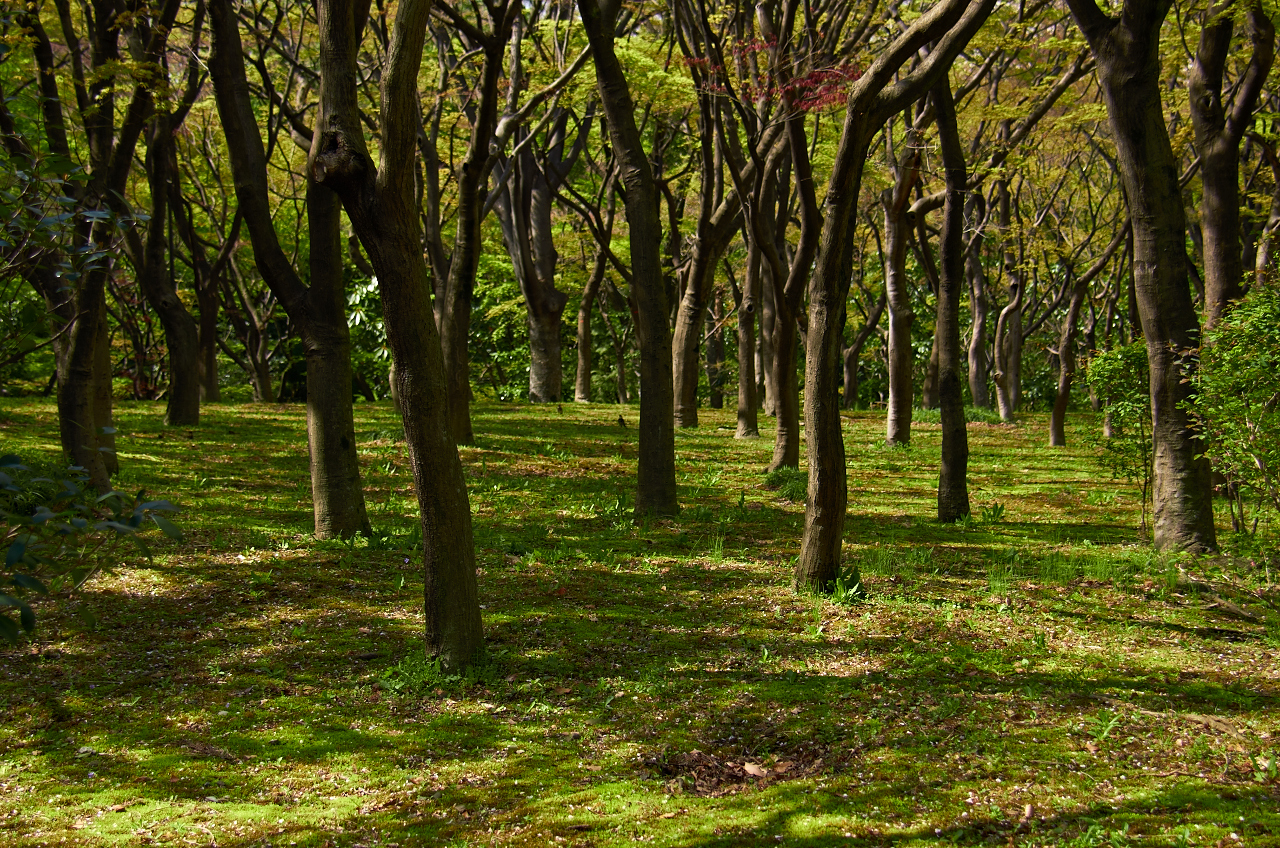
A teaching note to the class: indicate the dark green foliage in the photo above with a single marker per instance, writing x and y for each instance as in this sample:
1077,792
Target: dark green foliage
58,534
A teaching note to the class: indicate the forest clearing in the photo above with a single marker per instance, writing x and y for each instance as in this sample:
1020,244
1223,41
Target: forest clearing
1032,675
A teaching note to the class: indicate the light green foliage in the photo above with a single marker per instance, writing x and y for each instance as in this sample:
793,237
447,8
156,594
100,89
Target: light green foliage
1120,378
57,534
1237,399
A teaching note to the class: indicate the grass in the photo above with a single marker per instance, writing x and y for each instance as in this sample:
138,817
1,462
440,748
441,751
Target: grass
1033,676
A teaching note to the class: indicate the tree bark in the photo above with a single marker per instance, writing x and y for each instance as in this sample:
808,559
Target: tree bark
381,206
1126,50
1008,337
1217,141
582,381
748,401
656,484
879,93
897,231
953,485
980,311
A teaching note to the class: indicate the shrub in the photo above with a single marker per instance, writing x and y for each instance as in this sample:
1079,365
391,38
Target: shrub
57,534
1236,404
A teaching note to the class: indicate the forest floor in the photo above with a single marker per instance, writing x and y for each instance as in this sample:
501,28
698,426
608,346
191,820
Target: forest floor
1034,676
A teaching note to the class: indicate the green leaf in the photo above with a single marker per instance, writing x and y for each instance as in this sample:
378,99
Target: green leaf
8,630
86,615
167,527
30,583
17,551
28,618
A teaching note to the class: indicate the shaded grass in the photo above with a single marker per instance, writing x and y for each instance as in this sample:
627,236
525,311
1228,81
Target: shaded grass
254,685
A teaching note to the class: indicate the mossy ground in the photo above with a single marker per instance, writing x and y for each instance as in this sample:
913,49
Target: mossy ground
1035,676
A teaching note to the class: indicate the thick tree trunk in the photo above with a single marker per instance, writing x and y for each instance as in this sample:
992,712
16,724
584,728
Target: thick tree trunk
336,489
78,400
1127,54
656,485
953,485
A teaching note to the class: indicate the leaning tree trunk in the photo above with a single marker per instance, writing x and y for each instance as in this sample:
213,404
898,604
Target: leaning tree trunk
953,485
1127,51
656,484
872,100
381,206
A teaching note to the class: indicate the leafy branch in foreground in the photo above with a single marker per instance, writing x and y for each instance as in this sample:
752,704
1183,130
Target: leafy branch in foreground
58,533
1236,404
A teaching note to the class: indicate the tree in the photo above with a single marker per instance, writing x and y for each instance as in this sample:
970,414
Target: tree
1126,51
656,477
381,205
318,310
879,93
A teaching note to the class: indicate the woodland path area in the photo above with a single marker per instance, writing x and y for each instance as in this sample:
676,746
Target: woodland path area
1034,675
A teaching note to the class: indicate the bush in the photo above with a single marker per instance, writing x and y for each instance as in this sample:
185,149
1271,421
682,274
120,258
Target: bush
57,534
1237,400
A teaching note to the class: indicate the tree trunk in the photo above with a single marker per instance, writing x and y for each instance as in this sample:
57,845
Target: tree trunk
953,485
980,310
1008,339
656,485
182,408
786,406
336,490
582,381
929,389
319,314
381,206
1066,365
854,352
901,319
748,401
1217,140
715,351
872,100
78,398
1127,53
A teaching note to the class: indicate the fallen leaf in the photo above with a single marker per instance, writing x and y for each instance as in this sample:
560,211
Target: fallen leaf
670,815
783,767
755,770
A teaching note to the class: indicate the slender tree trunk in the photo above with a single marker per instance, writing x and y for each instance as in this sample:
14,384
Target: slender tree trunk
582,381
872,100
715,351
182,408
748,401
1008,338
1066,365
980,310
953,485
901,319
77,399
331,431
1127,53
319,315
1217,140
768,337
656,485
383,212
786,407
854,352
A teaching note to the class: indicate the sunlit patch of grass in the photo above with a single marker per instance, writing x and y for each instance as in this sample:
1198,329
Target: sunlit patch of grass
257,685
